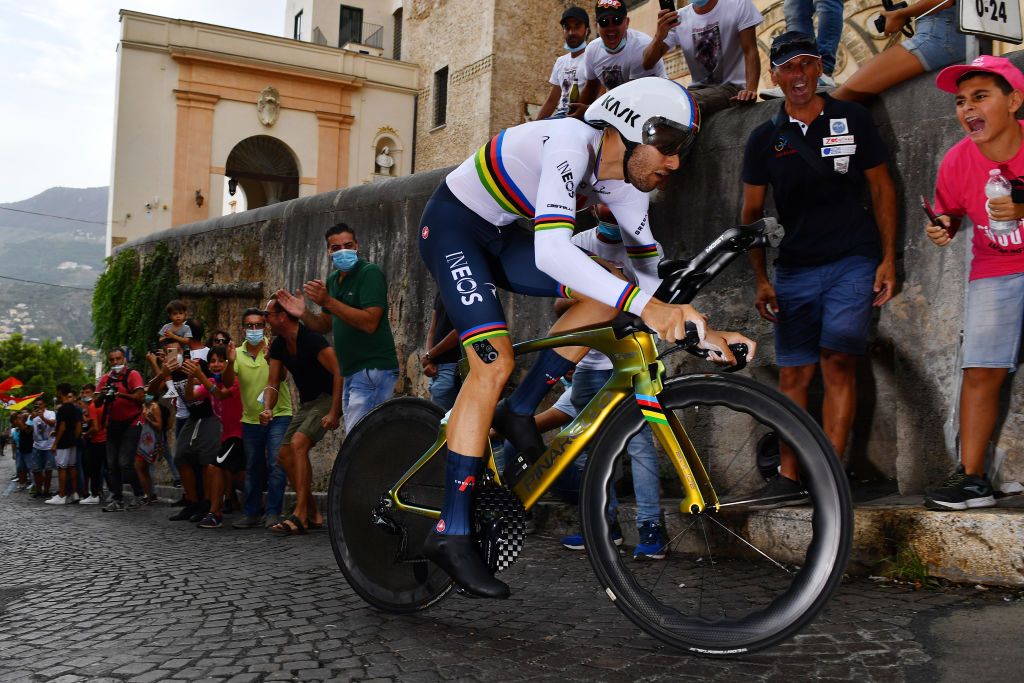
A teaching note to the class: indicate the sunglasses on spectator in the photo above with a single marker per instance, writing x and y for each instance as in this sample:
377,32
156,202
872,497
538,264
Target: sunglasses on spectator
220,340
603,22
253,326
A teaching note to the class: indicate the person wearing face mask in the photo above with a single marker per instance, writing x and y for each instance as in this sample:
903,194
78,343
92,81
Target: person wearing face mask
121,392
262,442
354,303
718,42
618,57
566,76
96,446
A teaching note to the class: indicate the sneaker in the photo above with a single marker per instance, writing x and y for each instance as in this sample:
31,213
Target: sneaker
56,500
272,520
183,515
248,522
779,492
199,511
211,521
90,500
960,492
135,503
652,544
75,498
575,541
114,506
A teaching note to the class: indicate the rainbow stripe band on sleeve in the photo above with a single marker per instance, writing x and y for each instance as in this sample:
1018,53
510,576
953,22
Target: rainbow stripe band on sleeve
497,181
627,296
642,251
481,332
564,292
554,222
651,409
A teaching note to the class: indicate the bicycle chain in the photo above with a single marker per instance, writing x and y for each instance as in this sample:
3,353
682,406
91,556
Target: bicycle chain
499,522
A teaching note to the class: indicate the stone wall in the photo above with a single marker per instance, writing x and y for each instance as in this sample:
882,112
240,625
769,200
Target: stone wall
905,380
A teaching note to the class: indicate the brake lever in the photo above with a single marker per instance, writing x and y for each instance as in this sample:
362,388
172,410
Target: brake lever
739,351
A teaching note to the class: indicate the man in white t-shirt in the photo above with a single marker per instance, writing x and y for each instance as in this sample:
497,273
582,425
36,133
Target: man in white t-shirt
618,57
718,42
566,72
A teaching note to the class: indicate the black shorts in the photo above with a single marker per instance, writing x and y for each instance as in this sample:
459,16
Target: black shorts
231,456
469,258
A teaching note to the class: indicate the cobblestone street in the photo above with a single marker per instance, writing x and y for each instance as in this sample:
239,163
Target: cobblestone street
89,596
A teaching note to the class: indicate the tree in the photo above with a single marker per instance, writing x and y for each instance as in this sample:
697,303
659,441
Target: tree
41,366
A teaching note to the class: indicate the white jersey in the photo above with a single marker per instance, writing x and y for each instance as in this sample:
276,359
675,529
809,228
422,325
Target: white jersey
614,252
711,42
567,71
547,171
626,64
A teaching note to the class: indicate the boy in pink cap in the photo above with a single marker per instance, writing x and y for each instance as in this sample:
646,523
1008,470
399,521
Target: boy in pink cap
989,91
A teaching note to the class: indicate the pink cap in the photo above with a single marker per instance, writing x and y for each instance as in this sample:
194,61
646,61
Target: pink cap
1000,66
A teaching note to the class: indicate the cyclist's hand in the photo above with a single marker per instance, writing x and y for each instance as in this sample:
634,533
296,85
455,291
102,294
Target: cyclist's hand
766,303
669,320
329,422
717,342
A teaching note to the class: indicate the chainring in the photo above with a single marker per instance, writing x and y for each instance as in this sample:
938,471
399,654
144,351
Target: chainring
499,524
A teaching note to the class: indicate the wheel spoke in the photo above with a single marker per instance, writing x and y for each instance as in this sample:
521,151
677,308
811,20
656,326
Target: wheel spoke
751,545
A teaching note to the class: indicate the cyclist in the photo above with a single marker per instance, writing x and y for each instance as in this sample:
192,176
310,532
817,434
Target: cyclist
629,143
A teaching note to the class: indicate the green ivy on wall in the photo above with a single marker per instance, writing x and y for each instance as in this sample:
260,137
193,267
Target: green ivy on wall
128,302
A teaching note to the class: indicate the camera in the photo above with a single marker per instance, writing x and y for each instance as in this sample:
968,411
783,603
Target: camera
889,6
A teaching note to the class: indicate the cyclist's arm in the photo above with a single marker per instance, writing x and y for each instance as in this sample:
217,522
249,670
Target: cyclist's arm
643,253
555,254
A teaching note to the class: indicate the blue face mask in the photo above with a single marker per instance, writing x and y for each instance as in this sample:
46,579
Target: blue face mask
148,398
699,3
216,377
344,259
565,46
254,337
609,230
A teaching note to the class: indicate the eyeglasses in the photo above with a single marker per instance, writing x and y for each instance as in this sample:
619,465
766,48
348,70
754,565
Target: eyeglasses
253,326
220,340
603,22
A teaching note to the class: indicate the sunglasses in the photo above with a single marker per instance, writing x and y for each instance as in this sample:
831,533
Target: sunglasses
220,340
254,326
603,22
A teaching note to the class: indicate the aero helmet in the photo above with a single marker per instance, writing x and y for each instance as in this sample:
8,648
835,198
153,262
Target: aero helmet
648,111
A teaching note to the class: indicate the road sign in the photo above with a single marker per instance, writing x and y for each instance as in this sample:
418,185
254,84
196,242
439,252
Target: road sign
996,19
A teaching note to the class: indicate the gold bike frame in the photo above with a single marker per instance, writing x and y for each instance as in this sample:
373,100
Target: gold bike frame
636,372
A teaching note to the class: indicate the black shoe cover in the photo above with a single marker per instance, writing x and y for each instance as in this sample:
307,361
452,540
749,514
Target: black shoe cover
460,558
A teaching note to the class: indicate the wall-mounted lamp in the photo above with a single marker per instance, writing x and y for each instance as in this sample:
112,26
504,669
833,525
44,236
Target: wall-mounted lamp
232,186
199,198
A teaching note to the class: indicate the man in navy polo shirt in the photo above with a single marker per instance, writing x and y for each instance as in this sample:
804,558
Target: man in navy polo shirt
837,259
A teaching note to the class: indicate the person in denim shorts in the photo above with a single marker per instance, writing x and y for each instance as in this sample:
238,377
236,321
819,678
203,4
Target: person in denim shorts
837,259
989,93
936,43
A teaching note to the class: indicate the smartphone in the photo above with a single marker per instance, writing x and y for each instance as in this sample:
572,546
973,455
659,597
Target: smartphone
667,4
186,354
928,211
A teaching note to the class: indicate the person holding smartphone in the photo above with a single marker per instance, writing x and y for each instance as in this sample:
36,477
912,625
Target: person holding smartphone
718,42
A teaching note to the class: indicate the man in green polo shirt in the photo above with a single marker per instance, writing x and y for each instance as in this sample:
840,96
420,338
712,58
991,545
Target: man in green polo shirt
262,471
354,303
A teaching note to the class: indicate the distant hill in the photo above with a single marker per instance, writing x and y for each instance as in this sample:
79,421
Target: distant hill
49,249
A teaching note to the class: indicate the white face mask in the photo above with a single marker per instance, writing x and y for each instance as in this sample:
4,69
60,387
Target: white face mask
117,368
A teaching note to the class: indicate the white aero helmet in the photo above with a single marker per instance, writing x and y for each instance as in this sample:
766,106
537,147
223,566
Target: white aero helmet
648,111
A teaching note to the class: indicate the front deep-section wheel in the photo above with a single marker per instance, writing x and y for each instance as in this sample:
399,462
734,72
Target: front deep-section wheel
733,580
378,547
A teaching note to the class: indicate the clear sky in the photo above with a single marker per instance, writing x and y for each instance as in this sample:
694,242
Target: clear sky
57,70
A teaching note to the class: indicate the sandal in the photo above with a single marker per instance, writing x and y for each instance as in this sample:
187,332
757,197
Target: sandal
283,527
316,526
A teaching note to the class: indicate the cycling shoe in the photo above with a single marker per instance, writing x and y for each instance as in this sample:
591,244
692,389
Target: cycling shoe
460,558
521,432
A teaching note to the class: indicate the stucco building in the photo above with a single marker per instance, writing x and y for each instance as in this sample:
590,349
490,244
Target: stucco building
200,105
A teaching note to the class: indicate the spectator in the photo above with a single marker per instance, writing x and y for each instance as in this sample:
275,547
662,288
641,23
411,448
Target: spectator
355,303
219,338
989,92
95,453
177,329
618,57
122,392
936,44
441,360
152,423
227,406
195,346
199,437
65,445
836,260
314,367
566,76
262,442
718,42
43,423
799,18
23,458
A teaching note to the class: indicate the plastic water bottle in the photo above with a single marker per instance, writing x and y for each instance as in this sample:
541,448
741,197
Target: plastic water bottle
999,186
